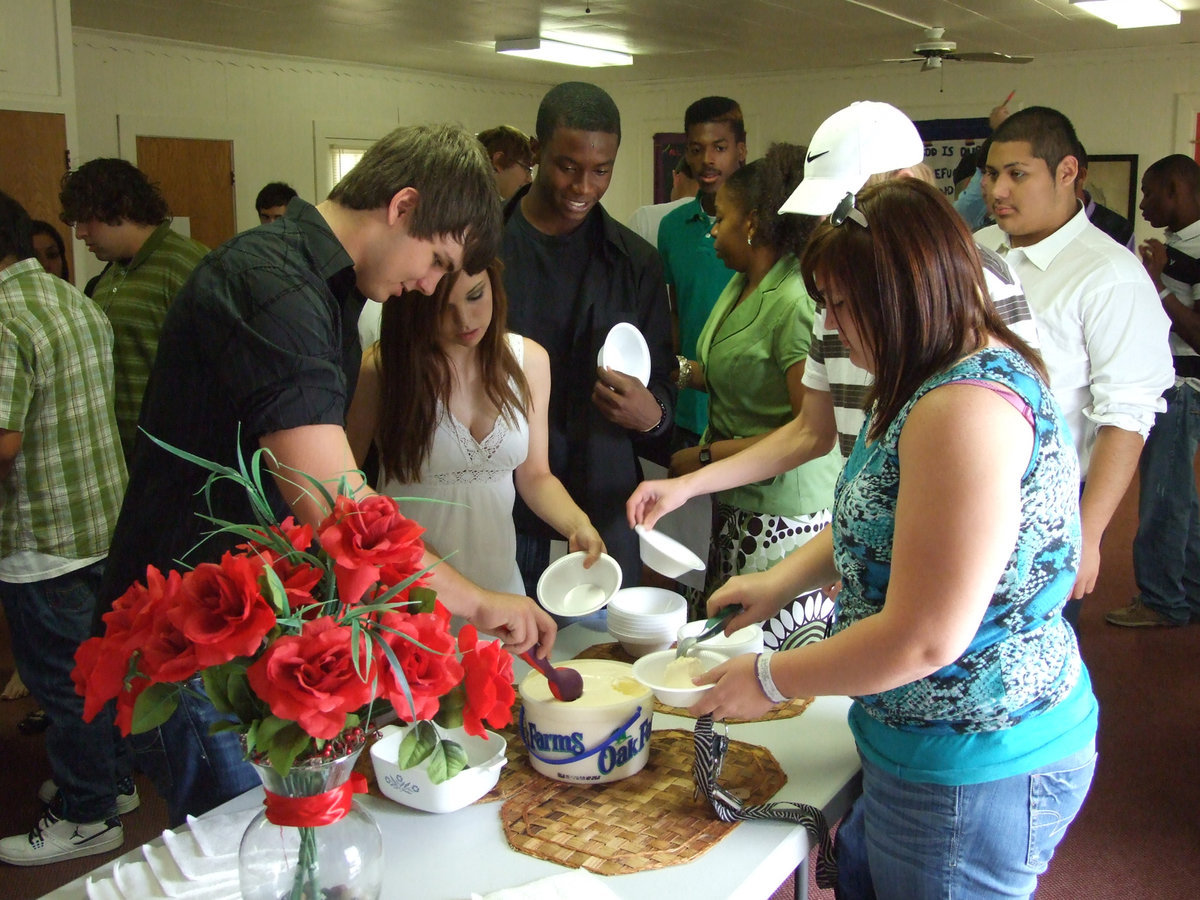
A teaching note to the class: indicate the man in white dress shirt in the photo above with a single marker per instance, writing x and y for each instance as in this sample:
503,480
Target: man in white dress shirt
1166,551
1102,328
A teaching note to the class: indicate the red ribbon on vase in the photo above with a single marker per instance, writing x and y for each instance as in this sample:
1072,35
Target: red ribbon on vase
319,809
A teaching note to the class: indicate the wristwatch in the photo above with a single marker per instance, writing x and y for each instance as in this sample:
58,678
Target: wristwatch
706,454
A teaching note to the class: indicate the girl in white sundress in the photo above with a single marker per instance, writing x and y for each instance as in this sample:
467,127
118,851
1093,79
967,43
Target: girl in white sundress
456,406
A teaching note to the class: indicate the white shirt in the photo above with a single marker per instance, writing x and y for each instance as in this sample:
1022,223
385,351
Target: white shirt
1186,240
646,219
829,368
1102,327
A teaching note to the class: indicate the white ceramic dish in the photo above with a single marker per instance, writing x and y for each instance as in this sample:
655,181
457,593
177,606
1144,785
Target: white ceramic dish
626,351
650,670
664,554
566,588
412,787
744,640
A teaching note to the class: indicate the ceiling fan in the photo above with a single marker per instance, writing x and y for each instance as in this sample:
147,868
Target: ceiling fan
933,50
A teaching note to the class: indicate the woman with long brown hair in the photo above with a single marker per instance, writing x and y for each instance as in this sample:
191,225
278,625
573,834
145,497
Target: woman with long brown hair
956,535
456,406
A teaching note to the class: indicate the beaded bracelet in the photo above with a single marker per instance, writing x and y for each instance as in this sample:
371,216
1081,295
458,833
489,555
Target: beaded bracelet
762,668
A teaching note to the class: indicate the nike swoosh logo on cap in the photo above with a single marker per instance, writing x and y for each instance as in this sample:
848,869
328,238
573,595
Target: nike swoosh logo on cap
813,156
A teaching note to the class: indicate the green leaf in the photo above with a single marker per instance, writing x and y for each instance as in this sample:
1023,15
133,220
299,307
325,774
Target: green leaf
448,760
216,685
224,725
270,726
154,706
287,743
450,708
242,698
276,594
424,597
417,745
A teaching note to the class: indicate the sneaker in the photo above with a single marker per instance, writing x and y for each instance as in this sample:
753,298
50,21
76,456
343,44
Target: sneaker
1137,615
53,839
127,795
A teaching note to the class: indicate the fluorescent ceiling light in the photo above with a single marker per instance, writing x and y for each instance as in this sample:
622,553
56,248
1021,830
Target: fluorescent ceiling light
1131,13
561,52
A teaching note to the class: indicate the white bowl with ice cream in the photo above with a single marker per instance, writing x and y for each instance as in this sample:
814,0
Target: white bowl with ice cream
670,677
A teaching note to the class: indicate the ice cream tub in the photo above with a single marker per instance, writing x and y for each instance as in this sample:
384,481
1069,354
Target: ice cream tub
601,737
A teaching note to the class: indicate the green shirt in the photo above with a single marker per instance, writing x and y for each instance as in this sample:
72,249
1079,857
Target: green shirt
64,490
696,276
746,349
135,296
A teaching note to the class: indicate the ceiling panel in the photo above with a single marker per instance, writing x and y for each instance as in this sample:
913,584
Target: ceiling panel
669,38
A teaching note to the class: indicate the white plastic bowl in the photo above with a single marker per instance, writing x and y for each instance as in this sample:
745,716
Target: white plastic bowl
625,350
412,787
666,555
639,645
650,670
744,640
566,588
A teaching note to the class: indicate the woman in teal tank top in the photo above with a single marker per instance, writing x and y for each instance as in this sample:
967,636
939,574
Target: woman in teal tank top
956,536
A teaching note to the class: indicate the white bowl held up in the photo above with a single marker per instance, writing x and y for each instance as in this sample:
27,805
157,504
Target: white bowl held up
664,554
412,787
566,588
625,350
651,670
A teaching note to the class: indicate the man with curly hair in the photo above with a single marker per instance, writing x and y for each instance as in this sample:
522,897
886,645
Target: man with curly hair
122,217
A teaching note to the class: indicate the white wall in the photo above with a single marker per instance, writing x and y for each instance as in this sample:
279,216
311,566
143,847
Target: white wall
270,106
1139,102
1119,102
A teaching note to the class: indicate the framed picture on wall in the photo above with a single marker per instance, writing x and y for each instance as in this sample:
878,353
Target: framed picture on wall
1112,180
668,150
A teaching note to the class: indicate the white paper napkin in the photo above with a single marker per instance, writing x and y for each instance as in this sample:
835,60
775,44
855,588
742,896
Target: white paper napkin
222,883
135,879
192,862
103,889
221,835
578,884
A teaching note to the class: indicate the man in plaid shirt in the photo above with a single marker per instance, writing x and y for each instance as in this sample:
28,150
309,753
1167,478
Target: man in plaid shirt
62,476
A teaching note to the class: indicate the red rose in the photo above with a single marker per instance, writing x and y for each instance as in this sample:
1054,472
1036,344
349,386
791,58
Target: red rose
310,678
299,537
424,648
363,535
99,674
222,610
488,682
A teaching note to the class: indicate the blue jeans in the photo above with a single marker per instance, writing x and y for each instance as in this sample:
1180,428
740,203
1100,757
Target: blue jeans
194,770
911,841
49,619
1166,550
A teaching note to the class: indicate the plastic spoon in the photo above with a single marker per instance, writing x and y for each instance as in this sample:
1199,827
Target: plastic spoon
565,684
711,627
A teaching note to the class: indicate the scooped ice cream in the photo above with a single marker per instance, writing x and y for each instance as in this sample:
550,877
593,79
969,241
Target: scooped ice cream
680,672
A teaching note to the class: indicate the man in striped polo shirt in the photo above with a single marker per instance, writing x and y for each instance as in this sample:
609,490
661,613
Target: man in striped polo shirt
62,477
124,220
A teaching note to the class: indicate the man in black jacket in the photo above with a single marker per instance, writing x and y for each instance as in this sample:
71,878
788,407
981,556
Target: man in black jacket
571,273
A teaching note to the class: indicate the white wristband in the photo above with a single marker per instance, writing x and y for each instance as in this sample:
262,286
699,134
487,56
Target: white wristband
1162,295
762,668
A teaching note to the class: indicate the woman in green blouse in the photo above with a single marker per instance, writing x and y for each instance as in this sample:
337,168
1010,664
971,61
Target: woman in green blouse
751,361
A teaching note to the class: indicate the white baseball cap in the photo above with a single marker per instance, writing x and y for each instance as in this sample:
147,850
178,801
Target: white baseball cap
864,139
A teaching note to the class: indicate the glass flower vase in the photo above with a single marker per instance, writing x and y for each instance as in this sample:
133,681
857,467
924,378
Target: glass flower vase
311,840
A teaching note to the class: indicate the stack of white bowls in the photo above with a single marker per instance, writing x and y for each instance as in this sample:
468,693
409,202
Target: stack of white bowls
646,619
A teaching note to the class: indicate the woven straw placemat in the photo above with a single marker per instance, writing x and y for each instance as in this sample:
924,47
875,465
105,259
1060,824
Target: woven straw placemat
615,651
647,821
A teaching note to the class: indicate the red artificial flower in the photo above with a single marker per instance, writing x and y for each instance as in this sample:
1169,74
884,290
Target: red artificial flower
363,535
488,683
310,678
300,537
222,610
99,675
425,650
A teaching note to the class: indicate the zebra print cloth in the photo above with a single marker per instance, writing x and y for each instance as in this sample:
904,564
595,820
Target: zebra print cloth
710,756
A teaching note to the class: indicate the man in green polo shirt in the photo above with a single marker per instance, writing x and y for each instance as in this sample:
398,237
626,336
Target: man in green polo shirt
123,219
716,148
61,482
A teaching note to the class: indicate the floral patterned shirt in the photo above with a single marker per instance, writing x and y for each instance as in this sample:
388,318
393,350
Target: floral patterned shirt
1024,658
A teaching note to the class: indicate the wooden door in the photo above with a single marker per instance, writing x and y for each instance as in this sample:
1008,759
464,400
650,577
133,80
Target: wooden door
33,158
196,177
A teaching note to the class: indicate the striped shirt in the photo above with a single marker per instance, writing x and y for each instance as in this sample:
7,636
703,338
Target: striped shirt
829,368
135,296
64,491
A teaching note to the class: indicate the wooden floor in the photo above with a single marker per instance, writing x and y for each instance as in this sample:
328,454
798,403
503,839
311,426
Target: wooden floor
1138,835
